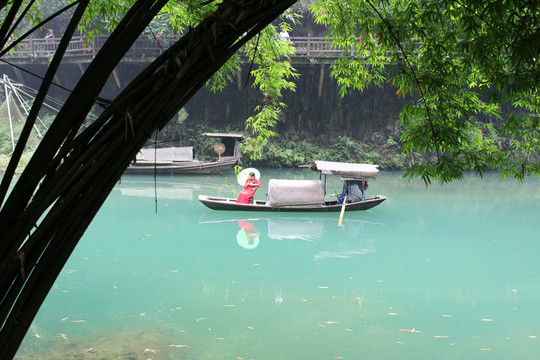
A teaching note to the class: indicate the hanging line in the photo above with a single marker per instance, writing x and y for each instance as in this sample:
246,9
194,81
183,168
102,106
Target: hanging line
155,171
36,75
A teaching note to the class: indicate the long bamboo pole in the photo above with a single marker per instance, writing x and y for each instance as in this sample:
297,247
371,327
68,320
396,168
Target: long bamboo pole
340,222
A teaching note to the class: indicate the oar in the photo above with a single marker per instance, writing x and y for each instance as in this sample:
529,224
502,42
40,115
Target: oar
342,211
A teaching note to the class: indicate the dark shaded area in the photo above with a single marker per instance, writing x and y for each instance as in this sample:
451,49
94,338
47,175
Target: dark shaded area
315,108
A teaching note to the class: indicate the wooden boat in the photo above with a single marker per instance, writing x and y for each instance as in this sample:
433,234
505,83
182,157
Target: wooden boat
309,195
223,203
180,160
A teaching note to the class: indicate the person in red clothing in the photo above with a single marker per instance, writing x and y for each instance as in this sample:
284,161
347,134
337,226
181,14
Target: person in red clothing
246,195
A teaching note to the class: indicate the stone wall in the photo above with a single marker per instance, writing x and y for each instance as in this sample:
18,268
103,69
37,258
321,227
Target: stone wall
315,108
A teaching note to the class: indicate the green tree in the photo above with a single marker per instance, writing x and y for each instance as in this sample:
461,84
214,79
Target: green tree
272,77
462,64
272,71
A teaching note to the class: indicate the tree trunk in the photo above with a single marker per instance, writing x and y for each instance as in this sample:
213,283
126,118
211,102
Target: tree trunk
74,169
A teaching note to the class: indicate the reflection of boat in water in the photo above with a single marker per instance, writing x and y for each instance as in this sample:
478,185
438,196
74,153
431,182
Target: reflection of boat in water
353,242
176,193
309,195
136,186
345,254
311,234
180,160
295,229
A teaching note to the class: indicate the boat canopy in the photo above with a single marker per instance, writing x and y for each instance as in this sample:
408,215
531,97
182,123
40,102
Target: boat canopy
295,192
346,170
170,154
238,137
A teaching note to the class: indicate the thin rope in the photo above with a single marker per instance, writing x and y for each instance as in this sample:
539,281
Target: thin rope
155,172
31,73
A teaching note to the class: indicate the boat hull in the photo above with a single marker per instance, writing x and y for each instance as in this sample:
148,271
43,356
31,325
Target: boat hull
181,168
230,204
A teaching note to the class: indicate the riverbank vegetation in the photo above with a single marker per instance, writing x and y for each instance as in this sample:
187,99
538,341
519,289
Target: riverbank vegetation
289,150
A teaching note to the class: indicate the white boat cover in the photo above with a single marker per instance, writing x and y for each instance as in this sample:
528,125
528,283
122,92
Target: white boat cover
295,192
169,154
239,137
346,170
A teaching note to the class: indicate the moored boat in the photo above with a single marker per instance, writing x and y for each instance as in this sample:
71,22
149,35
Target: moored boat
310,195
180,160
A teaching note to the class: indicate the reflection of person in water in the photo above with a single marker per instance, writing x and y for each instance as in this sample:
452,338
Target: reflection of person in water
248,236
279,297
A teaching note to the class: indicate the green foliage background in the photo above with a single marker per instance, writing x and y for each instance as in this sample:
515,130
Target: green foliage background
460,64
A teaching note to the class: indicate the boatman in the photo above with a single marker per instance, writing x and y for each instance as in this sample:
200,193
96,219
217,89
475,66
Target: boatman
246,195
355,191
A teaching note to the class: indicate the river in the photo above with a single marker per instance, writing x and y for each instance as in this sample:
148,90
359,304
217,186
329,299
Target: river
445,272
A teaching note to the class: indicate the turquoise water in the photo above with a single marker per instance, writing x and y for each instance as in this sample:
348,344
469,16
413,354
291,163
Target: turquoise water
447,272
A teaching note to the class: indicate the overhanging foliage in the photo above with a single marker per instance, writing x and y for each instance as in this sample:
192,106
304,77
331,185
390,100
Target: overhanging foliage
461,64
